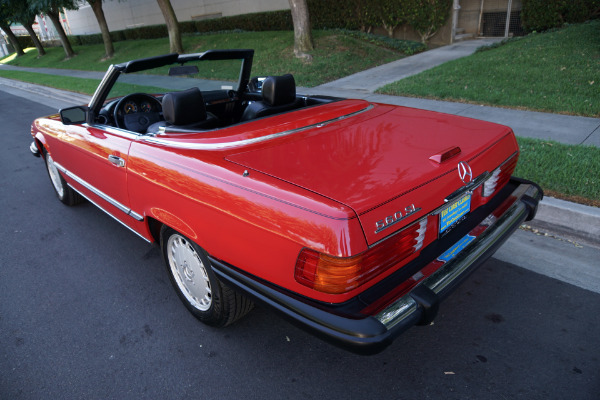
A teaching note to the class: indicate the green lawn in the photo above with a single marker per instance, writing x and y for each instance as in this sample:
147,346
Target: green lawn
79,85
336,54
570,172
556,71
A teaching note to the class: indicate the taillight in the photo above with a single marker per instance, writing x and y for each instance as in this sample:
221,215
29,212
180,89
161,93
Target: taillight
500,176
336,275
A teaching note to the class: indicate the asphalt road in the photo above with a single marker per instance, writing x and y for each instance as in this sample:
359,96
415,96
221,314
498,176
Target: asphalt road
87,311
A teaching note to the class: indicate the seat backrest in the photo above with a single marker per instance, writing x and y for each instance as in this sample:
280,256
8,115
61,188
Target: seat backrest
184,108
278,95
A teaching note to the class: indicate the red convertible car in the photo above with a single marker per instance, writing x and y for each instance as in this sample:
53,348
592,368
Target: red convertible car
352,219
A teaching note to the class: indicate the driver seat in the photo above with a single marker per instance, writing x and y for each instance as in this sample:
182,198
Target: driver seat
185,110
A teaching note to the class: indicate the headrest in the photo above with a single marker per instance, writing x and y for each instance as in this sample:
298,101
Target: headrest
279,90
184,108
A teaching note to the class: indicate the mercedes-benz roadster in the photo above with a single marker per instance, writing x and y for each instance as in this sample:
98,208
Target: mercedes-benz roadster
352,219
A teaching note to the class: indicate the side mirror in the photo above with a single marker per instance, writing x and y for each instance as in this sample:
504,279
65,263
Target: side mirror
74,115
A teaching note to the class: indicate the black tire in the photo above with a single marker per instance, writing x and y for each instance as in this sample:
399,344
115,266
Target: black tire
209,300
63,191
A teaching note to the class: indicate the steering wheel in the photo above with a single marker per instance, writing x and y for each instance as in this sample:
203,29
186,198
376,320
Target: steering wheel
137,111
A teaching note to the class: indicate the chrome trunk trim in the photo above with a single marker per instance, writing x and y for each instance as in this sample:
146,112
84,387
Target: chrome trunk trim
245,142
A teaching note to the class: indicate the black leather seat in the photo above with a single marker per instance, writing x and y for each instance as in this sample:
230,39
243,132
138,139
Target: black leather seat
185,110
279,95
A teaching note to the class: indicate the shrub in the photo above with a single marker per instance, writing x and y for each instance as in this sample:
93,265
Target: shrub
91,39
540,15
427,16
117,36
146,32
25,41
407,47
75,40
262,21
324,14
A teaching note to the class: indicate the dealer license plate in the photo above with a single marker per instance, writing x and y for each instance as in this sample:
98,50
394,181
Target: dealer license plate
452,214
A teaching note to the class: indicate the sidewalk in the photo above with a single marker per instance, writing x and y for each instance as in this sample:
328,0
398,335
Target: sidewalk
578,221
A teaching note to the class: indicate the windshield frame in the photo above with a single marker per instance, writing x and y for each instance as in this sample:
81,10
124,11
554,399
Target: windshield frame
114,71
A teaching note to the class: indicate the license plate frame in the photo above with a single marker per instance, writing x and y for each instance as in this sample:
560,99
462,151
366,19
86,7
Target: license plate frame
453,213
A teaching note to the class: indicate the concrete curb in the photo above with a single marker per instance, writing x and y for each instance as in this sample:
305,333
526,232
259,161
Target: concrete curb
572,219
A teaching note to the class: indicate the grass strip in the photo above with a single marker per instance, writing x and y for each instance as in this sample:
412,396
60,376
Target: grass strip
78,85
569,172
336,54
556,71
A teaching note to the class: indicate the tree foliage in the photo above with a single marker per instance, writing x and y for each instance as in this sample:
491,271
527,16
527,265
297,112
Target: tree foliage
540,15
424,16
7,17
427,16
390,13
24,13
52,8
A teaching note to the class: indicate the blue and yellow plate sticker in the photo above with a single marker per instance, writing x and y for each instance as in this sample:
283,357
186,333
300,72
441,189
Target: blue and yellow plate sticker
457,248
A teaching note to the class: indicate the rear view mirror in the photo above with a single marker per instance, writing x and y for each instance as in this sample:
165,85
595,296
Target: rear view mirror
74,115
183,70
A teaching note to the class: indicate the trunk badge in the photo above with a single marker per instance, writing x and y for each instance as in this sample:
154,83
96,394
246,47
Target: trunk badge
464,172
395,218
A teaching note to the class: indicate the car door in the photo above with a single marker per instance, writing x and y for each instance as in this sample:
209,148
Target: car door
95,158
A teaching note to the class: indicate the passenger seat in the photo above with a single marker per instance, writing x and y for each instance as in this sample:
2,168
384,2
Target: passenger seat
279,95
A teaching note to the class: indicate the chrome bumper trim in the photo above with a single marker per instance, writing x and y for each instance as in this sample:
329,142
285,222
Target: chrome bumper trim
405,306
34,149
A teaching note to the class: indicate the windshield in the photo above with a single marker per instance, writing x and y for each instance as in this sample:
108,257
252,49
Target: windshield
206,75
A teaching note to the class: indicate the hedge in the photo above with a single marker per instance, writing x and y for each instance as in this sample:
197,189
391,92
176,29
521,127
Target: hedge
324,14
540,15
25,41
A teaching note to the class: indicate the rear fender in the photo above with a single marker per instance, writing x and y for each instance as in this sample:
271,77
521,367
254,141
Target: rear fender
174,222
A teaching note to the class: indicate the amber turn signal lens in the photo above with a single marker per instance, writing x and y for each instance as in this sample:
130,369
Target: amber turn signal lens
337,275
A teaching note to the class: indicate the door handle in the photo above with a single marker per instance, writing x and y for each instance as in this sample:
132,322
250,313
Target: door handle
118,161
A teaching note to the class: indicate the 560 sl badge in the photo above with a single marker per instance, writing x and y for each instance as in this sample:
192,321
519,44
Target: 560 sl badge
395,218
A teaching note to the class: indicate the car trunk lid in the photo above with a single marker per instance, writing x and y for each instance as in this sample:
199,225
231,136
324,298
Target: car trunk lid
385,162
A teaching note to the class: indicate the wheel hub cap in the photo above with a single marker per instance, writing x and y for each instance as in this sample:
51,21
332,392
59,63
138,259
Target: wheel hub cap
55,176
189,272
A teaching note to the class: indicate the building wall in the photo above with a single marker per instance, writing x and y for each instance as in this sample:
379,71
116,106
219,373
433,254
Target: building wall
468,16
125,14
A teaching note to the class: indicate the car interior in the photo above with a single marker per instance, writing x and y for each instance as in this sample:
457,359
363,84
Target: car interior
193,110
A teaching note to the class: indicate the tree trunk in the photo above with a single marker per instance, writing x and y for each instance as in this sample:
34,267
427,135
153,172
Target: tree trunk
64,40
389,29
303,42
12,39
34,38
99,13
175,44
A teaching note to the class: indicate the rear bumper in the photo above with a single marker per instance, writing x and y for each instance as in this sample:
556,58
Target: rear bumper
369,334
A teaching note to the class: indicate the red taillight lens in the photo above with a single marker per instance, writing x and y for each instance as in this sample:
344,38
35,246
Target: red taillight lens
336,275
500,176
